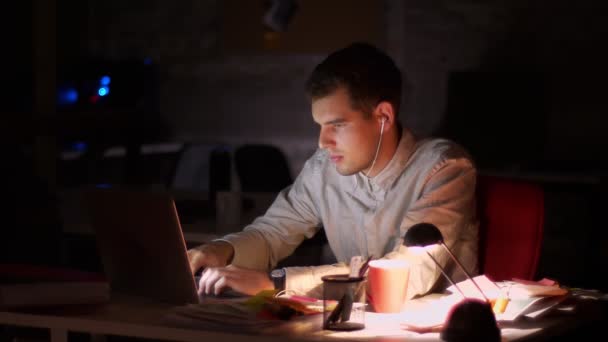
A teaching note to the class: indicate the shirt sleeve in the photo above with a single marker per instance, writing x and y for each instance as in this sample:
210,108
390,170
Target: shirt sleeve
448,202
290,219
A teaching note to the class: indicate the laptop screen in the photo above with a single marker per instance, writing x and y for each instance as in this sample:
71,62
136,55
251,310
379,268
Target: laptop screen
141,244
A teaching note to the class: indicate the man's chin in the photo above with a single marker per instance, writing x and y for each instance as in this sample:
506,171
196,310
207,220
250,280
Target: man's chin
345,171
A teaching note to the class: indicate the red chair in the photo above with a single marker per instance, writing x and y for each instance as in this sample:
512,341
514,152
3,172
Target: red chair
511,214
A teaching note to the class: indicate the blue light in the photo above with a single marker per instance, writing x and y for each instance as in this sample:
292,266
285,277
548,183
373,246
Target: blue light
103,186
79,146
103,91
148,61
67,96
71,95
105,80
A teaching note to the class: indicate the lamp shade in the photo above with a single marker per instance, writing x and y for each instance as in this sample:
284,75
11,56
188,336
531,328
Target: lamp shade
422,234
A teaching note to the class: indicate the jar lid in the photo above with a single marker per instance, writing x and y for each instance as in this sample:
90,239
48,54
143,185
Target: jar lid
341,278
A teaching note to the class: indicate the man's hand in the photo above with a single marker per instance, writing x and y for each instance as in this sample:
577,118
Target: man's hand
214,254
245,281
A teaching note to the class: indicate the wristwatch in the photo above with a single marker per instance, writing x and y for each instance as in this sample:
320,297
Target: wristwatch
278,278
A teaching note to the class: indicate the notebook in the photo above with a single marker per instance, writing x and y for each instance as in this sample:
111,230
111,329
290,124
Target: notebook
141,244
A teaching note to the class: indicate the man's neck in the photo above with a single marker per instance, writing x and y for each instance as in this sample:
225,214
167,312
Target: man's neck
387,151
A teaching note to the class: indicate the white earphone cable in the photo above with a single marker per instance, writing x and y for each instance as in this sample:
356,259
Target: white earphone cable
377,149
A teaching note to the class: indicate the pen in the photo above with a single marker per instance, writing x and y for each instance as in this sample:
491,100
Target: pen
364,267
335,313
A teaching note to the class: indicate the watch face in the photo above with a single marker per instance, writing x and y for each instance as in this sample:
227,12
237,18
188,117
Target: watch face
277,273
278,278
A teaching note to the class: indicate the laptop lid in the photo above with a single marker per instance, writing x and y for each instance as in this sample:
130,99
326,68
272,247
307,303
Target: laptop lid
141,244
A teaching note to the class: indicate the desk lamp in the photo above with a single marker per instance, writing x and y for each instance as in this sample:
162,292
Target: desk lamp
427,234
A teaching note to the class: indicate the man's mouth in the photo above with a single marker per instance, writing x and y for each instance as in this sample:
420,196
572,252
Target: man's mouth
336,159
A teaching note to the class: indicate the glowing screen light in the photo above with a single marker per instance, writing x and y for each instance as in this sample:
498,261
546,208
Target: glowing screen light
105,80
103,91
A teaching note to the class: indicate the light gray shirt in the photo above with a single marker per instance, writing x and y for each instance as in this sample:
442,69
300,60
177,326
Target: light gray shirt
432,180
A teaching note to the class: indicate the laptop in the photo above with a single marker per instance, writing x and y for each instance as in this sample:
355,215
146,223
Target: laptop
141,244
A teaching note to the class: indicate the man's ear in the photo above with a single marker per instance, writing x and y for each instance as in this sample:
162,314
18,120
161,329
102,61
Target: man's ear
385,111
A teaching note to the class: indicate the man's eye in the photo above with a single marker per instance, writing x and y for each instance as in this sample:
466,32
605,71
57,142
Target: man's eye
339,125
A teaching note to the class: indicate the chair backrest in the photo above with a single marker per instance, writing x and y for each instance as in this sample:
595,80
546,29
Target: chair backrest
262,168
511,216
203,167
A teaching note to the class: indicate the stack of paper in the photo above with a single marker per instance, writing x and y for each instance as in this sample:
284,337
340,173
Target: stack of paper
530,299
525,297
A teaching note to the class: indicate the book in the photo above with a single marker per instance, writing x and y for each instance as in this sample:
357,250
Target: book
25,286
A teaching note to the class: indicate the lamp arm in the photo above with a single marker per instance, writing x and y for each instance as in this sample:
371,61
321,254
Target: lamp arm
463,270
445,274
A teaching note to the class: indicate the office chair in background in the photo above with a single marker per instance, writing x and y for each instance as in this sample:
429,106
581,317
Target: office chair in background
511,214
261,168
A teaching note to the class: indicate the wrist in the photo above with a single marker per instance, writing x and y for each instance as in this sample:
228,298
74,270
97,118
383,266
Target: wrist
227,251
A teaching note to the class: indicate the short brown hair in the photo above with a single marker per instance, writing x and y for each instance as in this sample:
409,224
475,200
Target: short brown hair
368,74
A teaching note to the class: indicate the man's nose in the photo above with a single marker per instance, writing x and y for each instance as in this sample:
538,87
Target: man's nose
325,139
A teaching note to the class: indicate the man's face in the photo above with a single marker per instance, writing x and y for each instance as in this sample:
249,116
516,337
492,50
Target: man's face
348,136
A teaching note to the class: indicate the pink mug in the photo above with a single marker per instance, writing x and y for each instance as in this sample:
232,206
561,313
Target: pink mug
387,284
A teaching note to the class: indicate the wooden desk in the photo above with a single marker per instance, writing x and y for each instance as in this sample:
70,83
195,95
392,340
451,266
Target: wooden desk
123,316
143,318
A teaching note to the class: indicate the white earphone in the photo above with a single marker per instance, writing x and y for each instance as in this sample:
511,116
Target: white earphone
377,147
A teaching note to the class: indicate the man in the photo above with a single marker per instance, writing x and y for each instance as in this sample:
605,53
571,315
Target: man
367,184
